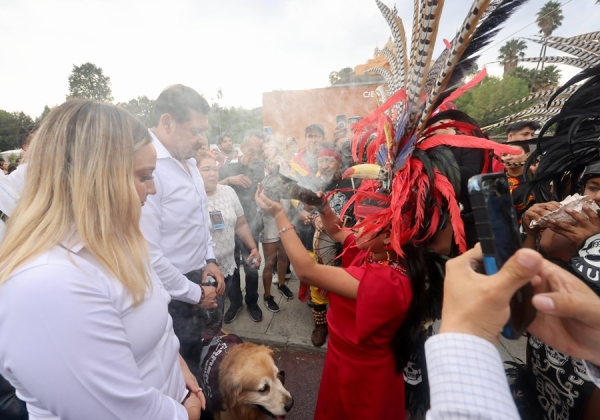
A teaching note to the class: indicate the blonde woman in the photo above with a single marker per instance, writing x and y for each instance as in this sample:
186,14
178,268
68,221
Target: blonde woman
84,325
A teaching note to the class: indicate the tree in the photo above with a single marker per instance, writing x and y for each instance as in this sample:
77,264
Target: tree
549,18
234,121
510,53
88,81
44,114
544,79
347,76
10,123
142,108
482,101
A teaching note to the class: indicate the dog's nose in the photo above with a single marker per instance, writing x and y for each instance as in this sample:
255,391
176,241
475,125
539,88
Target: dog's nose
289,405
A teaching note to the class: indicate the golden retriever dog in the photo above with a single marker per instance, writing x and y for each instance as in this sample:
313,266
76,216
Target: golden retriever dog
251,385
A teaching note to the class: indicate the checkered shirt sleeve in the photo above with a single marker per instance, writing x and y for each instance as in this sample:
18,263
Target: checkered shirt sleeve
467,379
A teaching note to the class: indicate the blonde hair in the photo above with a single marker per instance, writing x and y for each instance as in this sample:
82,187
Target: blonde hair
80,176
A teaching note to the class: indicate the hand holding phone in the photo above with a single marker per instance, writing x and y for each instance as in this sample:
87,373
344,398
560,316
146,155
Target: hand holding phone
498,231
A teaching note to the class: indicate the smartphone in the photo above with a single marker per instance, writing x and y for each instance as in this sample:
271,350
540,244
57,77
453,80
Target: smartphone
499,235
340,121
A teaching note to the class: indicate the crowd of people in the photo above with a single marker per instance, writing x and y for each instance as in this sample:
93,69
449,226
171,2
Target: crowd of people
119,240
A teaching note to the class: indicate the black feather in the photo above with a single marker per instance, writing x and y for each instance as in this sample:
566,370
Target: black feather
487,29
564,156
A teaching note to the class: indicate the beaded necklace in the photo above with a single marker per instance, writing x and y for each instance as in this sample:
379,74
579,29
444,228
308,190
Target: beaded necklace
388,263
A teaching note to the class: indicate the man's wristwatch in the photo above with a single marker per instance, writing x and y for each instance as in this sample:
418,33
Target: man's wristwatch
212,261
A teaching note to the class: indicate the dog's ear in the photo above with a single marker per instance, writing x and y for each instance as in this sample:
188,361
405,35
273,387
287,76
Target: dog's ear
230,389
230,398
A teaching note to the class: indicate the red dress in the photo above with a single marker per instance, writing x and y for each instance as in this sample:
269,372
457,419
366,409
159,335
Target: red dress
359,378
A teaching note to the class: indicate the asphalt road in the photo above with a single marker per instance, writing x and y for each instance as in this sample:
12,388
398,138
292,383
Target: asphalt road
302,376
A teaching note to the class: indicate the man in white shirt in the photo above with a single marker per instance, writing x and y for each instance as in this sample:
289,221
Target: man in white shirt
174,220
466,375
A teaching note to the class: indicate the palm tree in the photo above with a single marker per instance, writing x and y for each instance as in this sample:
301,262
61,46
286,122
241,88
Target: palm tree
547,78
510,53
549,18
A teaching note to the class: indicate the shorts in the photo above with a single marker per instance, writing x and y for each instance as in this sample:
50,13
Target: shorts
270,233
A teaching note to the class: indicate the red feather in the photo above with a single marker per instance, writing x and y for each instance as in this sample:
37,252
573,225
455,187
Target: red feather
472,83
445,188
469,142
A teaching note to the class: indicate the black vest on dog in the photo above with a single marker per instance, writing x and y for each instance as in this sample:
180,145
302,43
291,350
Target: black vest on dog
212,354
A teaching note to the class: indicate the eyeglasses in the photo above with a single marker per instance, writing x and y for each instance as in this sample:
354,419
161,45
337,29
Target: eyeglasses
253,152
314,136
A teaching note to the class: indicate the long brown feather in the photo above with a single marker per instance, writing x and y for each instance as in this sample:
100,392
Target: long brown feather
537,95
386,75
403,52
560,60
570,49
393,66
591,46
429,28
459,44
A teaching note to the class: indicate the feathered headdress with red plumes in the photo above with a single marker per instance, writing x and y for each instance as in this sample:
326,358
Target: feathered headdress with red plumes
412,176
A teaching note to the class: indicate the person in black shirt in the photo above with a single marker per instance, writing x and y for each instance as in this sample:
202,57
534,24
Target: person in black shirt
243,176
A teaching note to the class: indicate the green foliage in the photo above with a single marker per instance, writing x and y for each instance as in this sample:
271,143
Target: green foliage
549,17
234,121
142,108
493,93
10,123
88,81
510,52
543,79
44,114
347,76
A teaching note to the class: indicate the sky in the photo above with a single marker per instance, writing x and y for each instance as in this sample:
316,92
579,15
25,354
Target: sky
242,47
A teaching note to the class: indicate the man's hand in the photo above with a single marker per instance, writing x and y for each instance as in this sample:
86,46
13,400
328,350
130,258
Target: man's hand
535,212
217,154
478,304
304,217
568,314
254,254
318,223
585,227
241,180
274,208
209,299
212,270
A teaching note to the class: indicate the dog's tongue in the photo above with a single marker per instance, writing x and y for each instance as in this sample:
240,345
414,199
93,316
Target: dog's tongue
280,417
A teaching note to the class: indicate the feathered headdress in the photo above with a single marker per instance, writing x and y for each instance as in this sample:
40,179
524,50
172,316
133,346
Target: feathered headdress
583,52
575,143
413,176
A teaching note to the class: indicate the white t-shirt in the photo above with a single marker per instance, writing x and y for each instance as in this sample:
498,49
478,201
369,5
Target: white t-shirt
75,347
226,201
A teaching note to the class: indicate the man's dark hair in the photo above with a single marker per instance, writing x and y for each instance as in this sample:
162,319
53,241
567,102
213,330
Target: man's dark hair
518,126
456,115
522,144
315,128
25,132
177,101
222,137
253,133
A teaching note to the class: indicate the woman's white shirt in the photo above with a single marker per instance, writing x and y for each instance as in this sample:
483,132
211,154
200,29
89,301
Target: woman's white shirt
74,346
